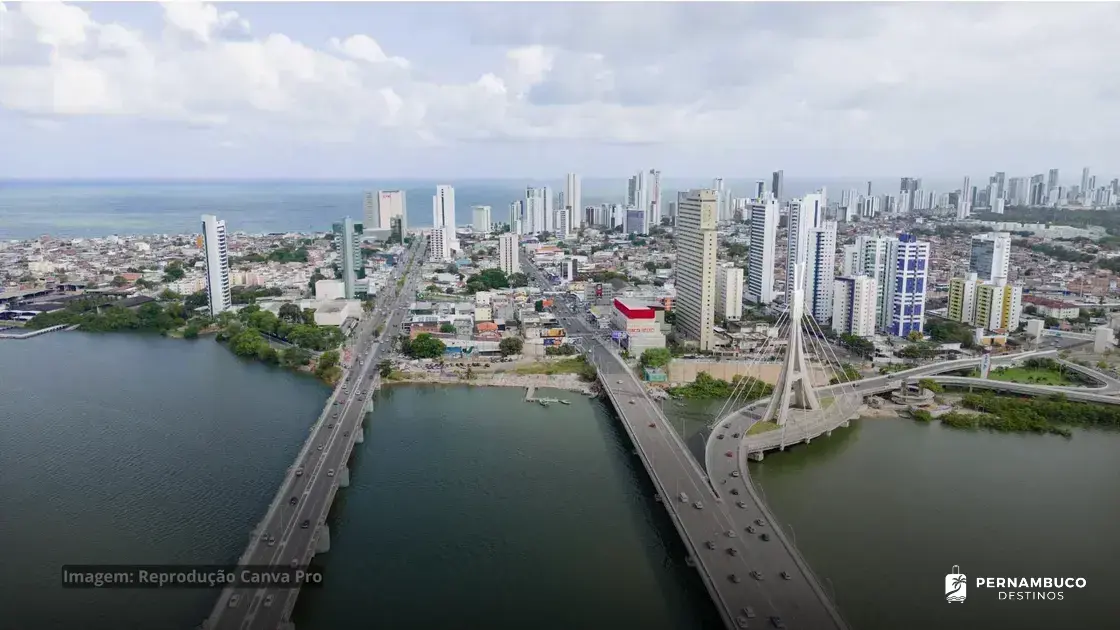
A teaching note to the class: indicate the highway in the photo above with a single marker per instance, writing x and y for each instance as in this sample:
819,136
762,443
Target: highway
288,534
742,571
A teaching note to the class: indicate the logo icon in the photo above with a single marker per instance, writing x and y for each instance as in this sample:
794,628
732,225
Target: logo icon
956,585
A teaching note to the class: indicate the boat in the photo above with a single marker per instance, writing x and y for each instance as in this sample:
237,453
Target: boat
544,403
564,402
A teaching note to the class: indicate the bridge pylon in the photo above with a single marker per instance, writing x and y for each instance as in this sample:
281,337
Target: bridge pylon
793,388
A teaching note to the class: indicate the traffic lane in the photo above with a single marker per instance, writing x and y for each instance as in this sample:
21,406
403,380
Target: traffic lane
792,593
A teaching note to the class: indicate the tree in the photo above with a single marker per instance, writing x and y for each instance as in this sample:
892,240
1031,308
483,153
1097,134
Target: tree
655,358
447,328
309,316
914,336
295,357
538,306
452,268
510,346
518,280
196,300
118,281
169,295
291,313
315,277
425,346
384,368
651,267
931,385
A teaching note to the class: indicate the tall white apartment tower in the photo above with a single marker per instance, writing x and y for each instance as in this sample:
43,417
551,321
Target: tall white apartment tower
390,204
443,212
764,235
440,249
638,195
853,306
820,271
729,292
723,208
573,200
964,202
507,253
538,210
371,216
563,223
217,264
990,258
804,215
481,222
870,259
696,266
654,209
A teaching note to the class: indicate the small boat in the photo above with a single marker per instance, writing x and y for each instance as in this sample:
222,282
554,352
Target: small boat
544,403
564,402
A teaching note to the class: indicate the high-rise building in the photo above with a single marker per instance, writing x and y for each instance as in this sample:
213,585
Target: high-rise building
517,222
696,267
644,192
217,264
820,271
853,306
440,250
573,200
1085,183
723,200
870,259
653,212
443,212
390,204
481,223
804,215
1051,181
729,292
759,191
563,223
778,185
763,237
348,244
508,253
962,299
1000,181
998,306
990,258
371,215
635,221
907,275
538,210
964,201
999,206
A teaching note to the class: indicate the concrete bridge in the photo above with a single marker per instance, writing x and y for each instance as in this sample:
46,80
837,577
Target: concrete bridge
295,529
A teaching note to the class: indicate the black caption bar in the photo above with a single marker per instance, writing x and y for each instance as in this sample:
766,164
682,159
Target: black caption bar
189,576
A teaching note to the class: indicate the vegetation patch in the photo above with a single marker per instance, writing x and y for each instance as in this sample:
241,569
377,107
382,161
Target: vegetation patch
705,387
1010,414
762,427
574,365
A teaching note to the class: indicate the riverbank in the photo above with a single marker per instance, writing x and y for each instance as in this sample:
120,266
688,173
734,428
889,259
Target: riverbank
568,382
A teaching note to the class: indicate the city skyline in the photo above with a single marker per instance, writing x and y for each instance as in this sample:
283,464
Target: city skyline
360,89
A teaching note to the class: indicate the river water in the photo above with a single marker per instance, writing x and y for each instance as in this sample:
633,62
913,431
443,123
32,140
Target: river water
472,509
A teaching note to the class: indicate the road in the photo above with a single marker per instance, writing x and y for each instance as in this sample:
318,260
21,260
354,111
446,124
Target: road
742,571
314,477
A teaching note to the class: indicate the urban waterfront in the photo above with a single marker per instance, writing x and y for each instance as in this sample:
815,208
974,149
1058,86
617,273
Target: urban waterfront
469,507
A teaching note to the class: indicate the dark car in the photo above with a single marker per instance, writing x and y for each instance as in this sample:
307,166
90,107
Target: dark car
735,578
305,524
757,575
293,500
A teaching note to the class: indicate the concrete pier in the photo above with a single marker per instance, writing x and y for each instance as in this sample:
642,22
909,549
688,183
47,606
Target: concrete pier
529,393
323,543
756,456
359,436
344,477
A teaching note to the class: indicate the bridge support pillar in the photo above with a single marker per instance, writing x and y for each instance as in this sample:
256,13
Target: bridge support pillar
369,406
360,436
323,543
344,477
846,423
808,440
756,457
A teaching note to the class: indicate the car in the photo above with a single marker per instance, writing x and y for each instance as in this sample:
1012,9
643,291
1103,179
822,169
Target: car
750,529
709,544
233,599
786,575
734,435
683,497
757,575
731,551
632,401
748,612
765,536
735,491
299,471
305,524
759,522
293,500
652,425
336,414
719,437
698,505
729,454
268,601
735,579
619,382
741,504
330,473
330,426
741,622
777,622
271,541
730,533
320,447
294,563
734,473
346,434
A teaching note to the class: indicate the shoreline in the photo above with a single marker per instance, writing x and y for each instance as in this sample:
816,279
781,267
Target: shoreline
566,382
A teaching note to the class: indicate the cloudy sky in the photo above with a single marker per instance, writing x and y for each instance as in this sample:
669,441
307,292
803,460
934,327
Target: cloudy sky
522,90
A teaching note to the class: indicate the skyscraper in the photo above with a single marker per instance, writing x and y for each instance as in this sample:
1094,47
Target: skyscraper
764,235
778,185
639,195
517,221
964,201
563,222
990,258
217,264
1085,183
481,222
653,212
804,215
440,249
573,200
723,203
998,306
759,191
962,299
729,292
870,259
907,275
820,271
508,253
538,210
853,306
1051,181
347,242
696,266
390,204
370,214
443,212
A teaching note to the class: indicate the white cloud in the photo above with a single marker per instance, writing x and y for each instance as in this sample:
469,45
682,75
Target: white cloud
860,88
